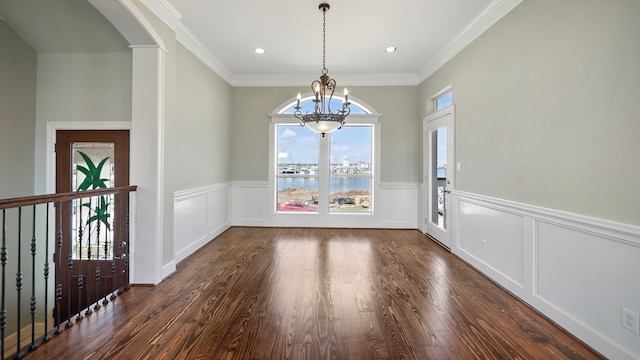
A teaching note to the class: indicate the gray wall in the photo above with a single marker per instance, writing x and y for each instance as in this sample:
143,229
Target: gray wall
17,127
202,150
17,114
79,88
547,108
197,125
400,141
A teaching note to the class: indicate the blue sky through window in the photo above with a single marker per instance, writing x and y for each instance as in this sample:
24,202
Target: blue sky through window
299,145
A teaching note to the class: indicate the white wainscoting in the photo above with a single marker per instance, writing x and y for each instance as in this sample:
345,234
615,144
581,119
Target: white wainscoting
396,206
250,203
200,215
577,270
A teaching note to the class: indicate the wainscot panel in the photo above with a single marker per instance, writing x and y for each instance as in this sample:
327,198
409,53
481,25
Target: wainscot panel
398,205
577,270
200,215
493,237
250,203
395,206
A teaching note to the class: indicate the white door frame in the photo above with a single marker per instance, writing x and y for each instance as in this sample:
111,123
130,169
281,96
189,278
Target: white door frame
444,117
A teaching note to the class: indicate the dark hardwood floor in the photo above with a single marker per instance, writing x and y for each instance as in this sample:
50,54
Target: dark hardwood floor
297,293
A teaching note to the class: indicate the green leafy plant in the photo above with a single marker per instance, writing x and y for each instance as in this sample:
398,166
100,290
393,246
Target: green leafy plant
92,178
93,181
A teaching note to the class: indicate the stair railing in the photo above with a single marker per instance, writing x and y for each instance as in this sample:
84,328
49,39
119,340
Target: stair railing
32,237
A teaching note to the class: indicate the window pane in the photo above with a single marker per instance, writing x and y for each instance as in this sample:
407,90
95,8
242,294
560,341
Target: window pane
444,100
297,168
93,168
350,169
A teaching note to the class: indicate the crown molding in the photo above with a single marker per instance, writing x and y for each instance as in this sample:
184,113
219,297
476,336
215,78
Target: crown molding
165,11
282,80
170,16
193,44
489,16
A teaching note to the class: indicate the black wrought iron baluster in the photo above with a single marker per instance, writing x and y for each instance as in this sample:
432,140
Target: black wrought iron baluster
69,268
112,249
33,344
126,247
97,306
3,259
19,354
106,256
58,275
46,336
89,256
120,243
79,258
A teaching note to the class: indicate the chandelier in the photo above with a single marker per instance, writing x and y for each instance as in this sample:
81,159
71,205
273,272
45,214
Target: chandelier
323,120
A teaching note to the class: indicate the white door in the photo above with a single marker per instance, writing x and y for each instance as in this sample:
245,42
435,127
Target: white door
438,173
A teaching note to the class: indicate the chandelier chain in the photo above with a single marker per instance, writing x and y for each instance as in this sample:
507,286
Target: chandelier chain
323,120
324,40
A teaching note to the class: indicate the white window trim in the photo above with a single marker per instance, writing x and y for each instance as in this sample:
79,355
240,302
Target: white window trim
431,104
324,218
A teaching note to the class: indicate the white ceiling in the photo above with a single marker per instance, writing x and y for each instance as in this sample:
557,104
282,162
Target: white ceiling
426,33
224,34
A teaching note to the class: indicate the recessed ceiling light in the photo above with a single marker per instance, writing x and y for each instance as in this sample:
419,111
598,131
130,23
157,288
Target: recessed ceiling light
390,49
259,51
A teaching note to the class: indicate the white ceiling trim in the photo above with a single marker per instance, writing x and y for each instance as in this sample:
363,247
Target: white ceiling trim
165,11
489,16
170,16
193,44
344,80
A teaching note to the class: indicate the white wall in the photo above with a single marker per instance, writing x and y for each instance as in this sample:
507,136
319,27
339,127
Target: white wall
201,214
396,207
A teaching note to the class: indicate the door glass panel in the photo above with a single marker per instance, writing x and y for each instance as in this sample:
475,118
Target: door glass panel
92,168
439,176
350,171
297,171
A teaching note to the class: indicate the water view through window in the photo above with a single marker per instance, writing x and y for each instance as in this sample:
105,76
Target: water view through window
300,164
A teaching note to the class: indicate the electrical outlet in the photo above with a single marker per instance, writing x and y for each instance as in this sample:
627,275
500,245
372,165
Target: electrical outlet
483,244
631,320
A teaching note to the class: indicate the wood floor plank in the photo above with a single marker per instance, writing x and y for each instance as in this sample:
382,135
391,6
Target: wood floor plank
304,293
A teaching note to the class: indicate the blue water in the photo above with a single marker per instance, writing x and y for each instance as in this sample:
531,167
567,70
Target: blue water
335,184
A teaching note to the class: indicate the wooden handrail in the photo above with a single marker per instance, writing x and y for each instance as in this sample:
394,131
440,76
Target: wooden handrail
43,199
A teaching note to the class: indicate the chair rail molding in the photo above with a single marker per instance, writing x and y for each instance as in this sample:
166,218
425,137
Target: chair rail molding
577,270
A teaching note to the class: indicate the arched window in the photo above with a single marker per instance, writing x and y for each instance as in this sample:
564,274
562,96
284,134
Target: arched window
335,174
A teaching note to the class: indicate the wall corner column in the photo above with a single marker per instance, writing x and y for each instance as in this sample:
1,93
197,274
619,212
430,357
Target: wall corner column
147,163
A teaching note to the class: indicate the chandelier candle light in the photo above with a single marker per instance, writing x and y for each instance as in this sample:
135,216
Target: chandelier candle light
323,120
